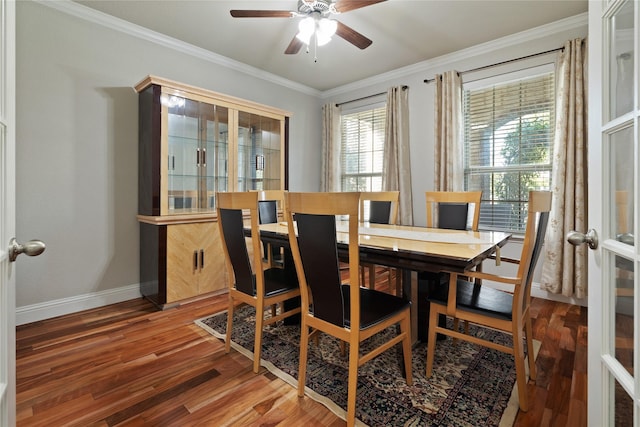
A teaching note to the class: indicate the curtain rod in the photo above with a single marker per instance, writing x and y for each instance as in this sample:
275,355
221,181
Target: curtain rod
367,97
503,62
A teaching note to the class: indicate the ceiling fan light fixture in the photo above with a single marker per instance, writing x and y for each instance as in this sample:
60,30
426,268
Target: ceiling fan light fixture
327,27
322,39
306,28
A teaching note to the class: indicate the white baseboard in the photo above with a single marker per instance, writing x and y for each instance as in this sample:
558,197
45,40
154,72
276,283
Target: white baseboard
49,309
538,292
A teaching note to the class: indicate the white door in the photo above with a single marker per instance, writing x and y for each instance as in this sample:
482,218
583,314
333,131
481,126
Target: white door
7,213
614,194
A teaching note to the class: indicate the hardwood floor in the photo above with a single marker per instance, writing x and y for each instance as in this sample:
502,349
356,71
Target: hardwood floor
130,364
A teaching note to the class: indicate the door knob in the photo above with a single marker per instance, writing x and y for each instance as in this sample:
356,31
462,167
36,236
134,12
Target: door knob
576,238
31,248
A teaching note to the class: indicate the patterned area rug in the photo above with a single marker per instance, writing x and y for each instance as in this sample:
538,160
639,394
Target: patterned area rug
470,386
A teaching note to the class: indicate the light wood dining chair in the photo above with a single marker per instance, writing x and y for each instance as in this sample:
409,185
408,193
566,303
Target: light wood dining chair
347,311
492,308
249,281
449,210
379,207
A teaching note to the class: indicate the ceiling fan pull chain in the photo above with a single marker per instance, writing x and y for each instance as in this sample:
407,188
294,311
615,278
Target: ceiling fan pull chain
315,49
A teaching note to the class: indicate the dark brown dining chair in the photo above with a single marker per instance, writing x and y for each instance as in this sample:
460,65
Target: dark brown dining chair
379,207
249,282
347,311
492,308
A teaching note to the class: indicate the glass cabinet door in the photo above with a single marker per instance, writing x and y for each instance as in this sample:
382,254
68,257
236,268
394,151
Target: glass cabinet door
259,152
215,139
197,135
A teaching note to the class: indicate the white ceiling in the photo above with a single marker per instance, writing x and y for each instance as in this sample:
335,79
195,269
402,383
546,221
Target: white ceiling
404,32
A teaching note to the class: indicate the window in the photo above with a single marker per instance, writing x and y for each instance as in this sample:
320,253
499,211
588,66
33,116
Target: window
363,137
508,140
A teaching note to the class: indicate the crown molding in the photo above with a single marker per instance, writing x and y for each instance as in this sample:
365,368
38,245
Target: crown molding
516,39
91,15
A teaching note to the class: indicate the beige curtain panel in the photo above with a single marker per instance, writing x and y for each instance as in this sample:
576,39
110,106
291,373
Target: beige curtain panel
396,169
565,266
331,148
449,174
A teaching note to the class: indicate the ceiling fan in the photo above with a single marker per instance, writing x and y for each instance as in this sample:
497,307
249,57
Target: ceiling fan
316,21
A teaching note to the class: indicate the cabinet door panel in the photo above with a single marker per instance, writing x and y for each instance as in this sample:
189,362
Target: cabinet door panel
183,242
213,274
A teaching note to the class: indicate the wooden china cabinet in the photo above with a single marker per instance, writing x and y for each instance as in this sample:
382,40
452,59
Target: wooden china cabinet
193,143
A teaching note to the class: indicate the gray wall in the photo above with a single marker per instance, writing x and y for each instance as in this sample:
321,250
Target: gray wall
77,137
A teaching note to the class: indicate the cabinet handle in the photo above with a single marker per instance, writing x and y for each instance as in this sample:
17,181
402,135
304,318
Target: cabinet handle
204,157
197,156
173,162
201,259
195,260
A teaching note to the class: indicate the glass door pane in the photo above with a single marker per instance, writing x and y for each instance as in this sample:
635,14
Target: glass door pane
622,181
183,149
215,138
259,152
622,413
621,63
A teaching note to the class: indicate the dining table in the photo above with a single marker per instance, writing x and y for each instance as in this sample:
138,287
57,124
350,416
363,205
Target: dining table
410,249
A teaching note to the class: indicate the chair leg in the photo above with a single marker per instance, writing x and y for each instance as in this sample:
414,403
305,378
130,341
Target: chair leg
521,375
354,348
398,281
431,343
257,346
405,328
227,344
372,276
302,369
530,353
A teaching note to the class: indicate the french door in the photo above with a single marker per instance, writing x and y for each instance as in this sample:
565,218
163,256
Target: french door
614,212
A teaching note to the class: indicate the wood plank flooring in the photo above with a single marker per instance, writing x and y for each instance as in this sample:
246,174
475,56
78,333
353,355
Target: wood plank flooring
129,364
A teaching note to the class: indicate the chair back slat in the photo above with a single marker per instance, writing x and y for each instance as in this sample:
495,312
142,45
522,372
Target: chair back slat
379,212
453,216
267,211
244,267
383,206
444,209
319,254
543,220
234,239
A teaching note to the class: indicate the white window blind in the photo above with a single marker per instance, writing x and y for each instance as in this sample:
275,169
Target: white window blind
363,137
508,140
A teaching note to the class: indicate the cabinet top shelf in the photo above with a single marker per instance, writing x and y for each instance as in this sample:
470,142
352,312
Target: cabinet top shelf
193,90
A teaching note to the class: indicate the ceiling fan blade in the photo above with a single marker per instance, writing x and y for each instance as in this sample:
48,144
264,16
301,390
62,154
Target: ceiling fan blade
352,36
261,13
347,5
294,46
